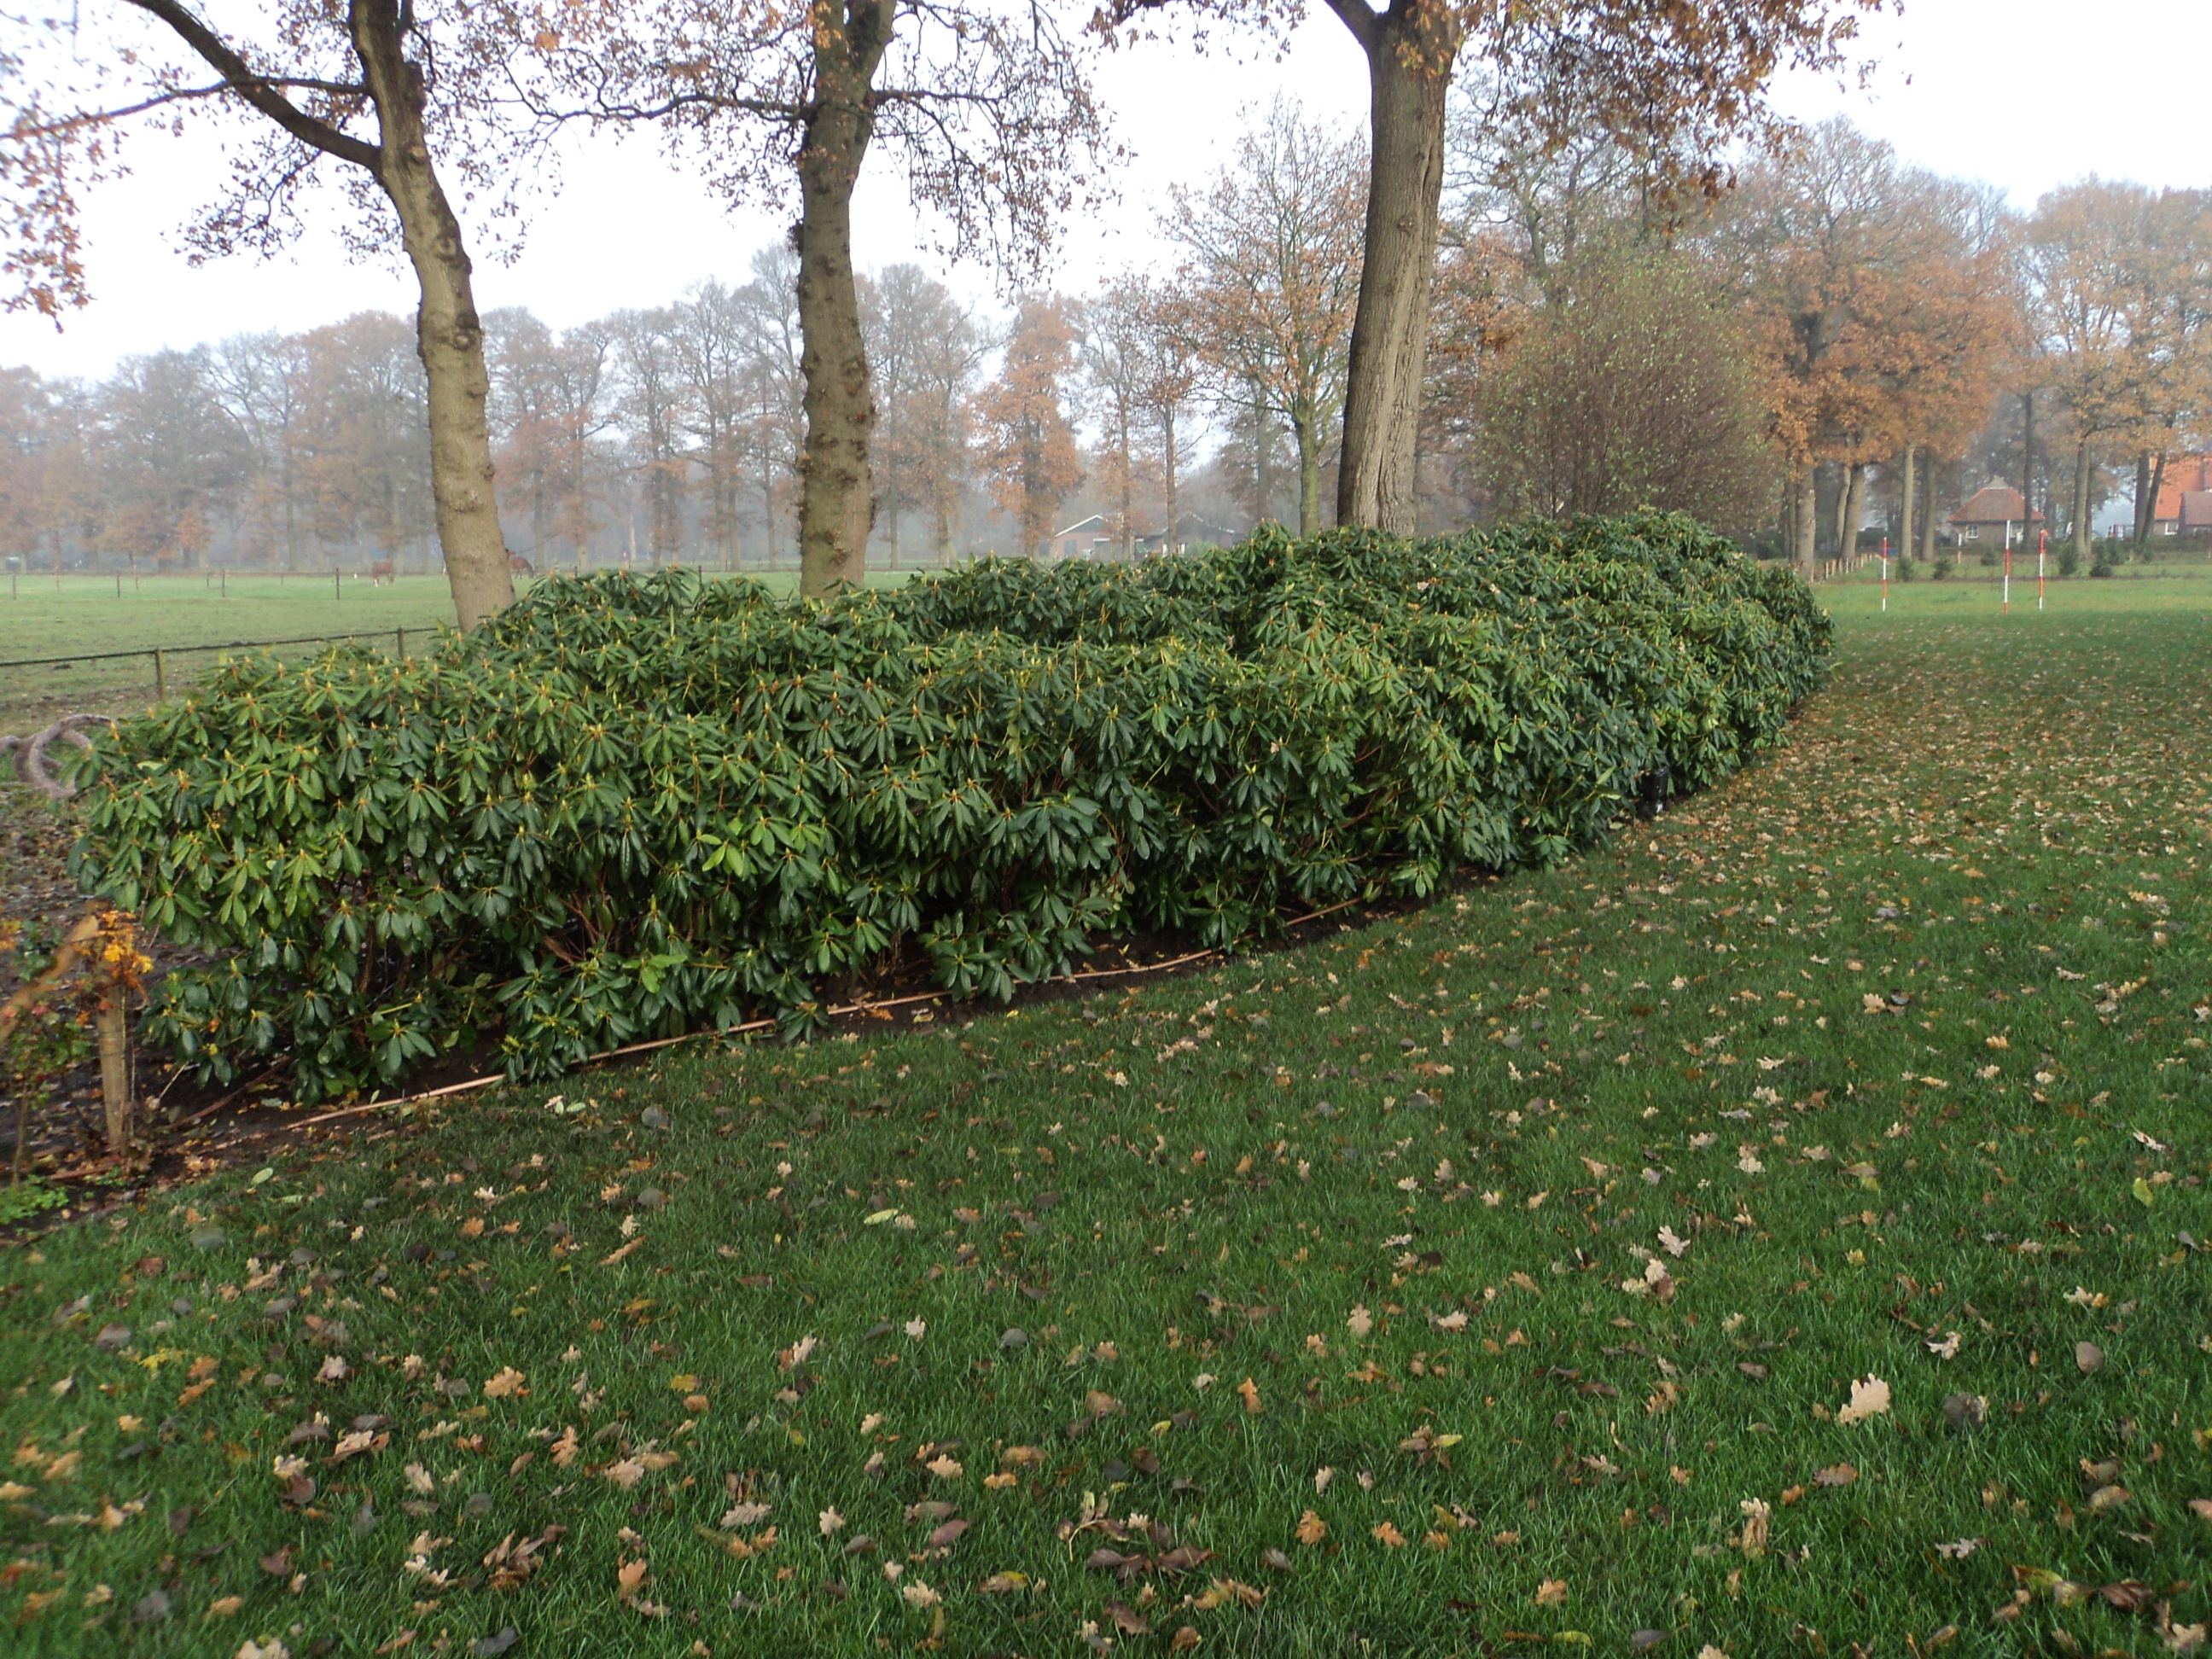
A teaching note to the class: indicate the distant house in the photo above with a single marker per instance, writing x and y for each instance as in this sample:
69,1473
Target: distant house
1086,538
1191,530
2183,507
1093,539
1989,510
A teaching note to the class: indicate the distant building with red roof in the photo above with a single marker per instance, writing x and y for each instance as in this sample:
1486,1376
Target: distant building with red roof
2183,507
1987,512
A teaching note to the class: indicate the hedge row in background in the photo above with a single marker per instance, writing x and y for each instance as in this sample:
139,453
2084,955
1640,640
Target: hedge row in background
630,807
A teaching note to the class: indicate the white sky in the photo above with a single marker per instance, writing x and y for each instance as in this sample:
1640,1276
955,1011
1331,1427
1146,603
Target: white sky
2021,94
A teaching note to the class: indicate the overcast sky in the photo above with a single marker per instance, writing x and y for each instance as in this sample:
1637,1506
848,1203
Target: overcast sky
2020,94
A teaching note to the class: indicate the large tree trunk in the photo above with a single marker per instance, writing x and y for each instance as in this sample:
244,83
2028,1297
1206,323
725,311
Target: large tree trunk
1809,520
1904,538
2081,525
447,333
1928,516
836,509
1410,49
2147,514
1304,429
1852,512
2143,498
1128,489
1167,476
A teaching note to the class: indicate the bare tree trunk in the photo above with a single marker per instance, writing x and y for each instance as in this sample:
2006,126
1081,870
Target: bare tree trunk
2081,526
2147,514
447,333
1128,489
836,510
1809,520
1852,512
1167,445
1303,429
1912,459
1928,516
1410,49
2143,498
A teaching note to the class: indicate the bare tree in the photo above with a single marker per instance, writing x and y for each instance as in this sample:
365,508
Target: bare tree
317,83
782,99
1273,270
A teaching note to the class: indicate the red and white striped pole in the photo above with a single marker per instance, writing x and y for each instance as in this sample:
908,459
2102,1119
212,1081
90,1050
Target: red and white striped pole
1885,573
2007,575
2042,547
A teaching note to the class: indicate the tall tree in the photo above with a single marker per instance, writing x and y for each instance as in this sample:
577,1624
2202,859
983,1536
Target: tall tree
1678,77
1116,362
984,98
913,322
1272,249
352,85
1029,446
1879,298
651,394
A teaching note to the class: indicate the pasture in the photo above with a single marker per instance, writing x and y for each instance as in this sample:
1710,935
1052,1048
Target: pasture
81,617
1780,1230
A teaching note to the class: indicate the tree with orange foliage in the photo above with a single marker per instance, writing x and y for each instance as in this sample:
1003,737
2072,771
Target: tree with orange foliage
1028,449
1878,298
1677,78
2119,279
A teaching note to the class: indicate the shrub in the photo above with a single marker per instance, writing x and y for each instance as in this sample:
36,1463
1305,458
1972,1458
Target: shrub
629,807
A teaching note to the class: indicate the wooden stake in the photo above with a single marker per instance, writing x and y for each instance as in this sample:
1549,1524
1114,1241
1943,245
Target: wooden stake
113,1026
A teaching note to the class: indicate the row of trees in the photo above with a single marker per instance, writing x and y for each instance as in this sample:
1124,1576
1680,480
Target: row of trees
1834,333
987,104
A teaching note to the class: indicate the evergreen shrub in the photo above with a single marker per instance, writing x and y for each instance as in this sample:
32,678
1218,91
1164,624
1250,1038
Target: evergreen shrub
630,807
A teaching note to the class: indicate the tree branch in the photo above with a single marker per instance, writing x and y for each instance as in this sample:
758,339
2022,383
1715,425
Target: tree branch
258,91
1360,19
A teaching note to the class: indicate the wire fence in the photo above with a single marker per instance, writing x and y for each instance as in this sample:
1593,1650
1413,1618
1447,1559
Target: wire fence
33,689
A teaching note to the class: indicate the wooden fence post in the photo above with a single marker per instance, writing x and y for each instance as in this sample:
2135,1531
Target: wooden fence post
113,1024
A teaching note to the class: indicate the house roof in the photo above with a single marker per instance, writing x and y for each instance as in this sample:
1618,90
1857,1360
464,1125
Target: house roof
2197,509
1994,504
1095,526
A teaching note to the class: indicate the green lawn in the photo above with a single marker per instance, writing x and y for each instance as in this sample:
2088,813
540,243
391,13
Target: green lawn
1492,1279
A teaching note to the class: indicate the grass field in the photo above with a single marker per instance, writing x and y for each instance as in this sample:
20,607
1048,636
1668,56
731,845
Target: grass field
1778,1232
40,618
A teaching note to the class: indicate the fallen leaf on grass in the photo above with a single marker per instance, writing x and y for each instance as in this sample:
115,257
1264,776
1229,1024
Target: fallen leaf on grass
1250,1391
508,1383
1551,1593
1311,1528
629,1578
1361,1323
1390,1537
1841,1474
1001,1583
944,1467
1127,1620
1870,1398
